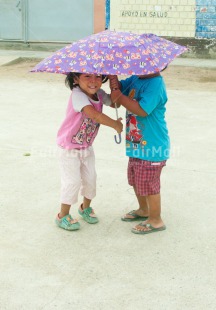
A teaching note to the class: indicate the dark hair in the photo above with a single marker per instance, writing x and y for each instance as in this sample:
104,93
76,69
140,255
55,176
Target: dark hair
70,82
104,78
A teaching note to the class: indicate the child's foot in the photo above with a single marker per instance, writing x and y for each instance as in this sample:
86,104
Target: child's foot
88,215
146,228
133,216
67,222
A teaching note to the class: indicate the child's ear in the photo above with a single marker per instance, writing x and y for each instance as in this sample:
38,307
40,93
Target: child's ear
76,80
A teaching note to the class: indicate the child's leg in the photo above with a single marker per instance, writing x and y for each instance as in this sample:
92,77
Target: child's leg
65,209
154,219
70,184
143,205
88,176
86,203
88,189
155,210
70,179
152,188
143,210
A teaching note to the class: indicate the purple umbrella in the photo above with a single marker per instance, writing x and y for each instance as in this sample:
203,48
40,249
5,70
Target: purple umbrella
113,52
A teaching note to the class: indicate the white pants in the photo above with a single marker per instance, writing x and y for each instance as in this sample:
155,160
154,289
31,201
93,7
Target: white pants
77,168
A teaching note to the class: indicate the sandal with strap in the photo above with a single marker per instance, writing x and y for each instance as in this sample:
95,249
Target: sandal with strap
88,215
67,222
135,217
148,229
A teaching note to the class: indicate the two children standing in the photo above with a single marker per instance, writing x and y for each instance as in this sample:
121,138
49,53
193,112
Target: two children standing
147,145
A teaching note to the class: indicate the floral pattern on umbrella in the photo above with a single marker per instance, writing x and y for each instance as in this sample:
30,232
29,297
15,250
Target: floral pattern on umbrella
113,52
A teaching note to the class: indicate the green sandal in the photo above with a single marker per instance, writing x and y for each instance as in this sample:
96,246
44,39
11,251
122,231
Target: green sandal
135,217
148,229
67,222
88,215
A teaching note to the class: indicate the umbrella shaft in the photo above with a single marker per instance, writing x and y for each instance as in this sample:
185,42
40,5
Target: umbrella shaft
116,110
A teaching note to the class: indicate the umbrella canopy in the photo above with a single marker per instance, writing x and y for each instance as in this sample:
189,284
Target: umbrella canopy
113,52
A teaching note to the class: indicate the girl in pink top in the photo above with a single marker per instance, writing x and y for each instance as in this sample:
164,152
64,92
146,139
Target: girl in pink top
75,137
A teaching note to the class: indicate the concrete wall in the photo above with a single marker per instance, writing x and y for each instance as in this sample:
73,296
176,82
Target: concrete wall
165,18
191,22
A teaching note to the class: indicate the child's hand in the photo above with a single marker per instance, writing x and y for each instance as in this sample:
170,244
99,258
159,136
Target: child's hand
114,83
119,125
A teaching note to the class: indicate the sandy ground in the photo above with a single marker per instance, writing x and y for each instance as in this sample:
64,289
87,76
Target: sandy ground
105,266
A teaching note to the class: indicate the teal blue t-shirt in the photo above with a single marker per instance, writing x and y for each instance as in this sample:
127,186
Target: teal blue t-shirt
147,137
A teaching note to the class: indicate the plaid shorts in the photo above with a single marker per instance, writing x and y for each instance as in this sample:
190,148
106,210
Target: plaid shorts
145,176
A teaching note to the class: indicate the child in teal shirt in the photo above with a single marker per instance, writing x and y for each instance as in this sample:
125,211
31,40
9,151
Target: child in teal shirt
147,144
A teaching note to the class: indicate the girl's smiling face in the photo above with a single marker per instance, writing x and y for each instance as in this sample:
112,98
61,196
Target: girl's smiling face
89,83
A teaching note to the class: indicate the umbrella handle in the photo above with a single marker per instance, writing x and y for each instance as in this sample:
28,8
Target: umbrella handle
119,135
118,141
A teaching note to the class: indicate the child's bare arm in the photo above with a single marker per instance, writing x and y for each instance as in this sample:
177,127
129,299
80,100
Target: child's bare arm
103,118
130,104
117,97
114,85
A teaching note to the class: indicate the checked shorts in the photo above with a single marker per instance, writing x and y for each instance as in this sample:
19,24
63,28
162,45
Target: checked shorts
145,176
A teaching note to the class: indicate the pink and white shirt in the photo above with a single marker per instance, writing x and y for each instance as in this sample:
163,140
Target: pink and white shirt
78,131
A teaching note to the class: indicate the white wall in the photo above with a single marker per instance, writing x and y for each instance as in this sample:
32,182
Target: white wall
174,18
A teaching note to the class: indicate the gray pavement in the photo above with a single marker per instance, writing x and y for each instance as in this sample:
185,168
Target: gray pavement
104,266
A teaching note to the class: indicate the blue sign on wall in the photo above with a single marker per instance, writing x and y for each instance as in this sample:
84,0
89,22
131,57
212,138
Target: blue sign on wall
206,19
107,14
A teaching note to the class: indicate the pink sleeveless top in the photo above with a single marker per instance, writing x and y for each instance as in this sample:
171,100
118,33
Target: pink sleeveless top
78,131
